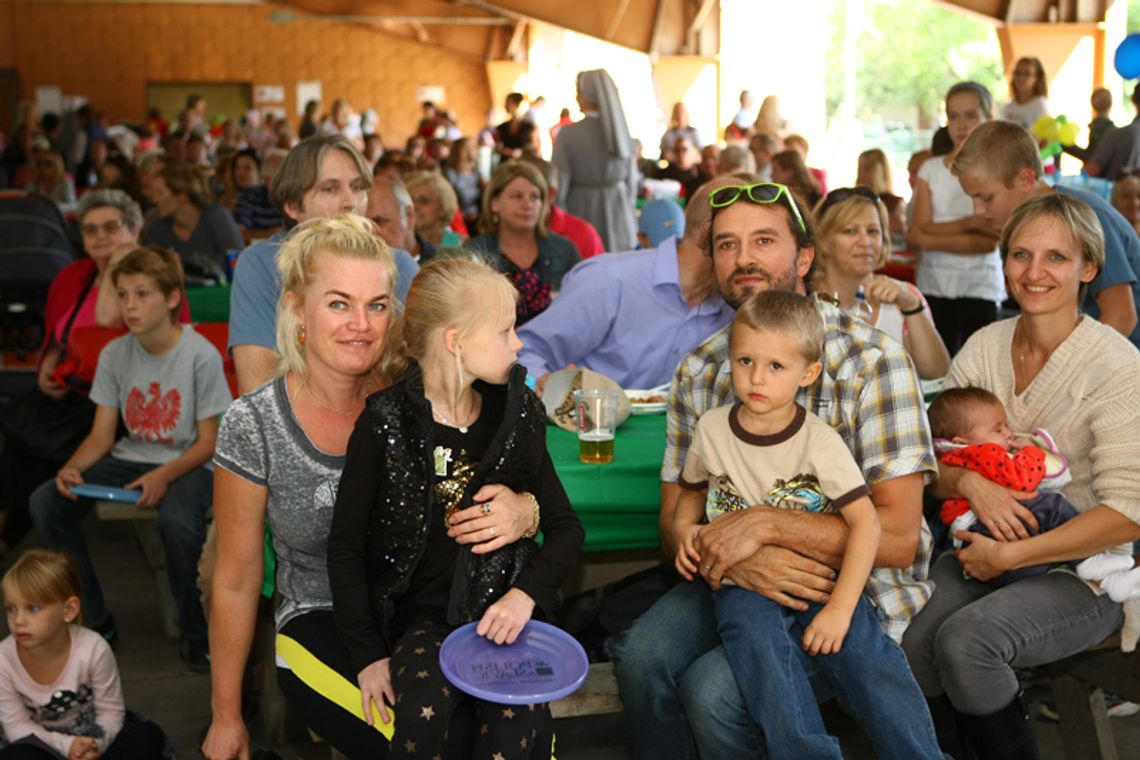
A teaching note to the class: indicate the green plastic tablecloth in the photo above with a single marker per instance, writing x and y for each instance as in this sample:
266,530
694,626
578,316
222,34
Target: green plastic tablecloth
618,503
209,304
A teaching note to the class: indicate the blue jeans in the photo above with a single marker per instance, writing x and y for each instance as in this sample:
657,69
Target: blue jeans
762,640
677,687
181,525
969,637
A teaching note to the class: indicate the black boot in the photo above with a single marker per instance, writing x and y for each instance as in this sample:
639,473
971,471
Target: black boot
947,728
1004,735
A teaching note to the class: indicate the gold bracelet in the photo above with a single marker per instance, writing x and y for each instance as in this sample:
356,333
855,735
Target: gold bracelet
534,528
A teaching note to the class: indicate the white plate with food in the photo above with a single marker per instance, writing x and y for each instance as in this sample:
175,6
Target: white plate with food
648,401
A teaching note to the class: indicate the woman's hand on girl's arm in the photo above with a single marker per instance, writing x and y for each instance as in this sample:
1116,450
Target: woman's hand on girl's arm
500,517
375,687
504,620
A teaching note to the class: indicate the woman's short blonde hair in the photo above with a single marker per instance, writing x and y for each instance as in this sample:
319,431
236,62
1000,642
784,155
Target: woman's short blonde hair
461,292
834,218
439,187
1076,216
507,173
346,236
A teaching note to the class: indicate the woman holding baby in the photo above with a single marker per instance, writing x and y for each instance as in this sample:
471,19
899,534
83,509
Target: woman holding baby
1056,369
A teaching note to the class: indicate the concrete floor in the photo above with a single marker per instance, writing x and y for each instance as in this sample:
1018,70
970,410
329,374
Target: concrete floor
157,683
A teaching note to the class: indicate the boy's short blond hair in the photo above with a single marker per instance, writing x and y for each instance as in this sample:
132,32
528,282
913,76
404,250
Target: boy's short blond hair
783,311
999,150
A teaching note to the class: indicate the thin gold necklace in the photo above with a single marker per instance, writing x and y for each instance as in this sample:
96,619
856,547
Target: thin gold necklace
322,405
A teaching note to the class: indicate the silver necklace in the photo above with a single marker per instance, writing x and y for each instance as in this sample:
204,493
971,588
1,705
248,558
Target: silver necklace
461,428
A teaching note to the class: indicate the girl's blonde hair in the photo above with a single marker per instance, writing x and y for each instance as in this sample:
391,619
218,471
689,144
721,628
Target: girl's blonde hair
461,292
346,236
46,577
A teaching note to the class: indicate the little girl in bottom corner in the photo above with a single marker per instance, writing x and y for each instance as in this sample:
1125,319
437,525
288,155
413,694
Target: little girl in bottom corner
60,695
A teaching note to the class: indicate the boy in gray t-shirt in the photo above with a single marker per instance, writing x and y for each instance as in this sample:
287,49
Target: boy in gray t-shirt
166,383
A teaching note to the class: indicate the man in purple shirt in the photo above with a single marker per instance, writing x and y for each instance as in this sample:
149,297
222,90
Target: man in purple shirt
632,316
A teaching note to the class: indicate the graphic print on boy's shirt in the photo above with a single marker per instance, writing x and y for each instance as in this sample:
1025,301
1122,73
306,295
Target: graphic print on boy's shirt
152,415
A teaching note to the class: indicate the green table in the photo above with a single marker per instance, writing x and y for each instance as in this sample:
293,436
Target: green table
209,304
618,503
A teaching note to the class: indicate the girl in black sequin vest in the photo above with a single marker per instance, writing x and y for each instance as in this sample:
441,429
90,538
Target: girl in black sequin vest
446,482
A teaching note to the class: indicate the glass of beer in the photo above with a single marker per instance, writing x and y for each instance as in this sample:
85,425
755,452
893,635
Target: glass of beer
597,420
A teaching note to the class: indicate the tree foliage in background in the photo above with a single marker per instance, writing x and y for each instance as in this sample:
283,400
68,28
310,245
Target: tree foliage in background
909,53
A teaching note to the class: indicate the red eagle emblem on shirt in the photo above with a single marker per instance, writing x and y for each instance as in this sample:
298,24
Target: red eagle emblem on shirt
152,415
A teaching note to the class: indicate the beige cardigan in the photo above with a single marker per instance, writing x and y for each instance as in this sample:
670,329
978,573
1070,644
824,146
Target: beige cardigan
1087,396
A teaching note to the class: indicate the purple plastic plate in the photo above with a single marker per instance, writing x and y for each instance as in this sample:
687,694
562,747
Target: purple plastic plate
544,664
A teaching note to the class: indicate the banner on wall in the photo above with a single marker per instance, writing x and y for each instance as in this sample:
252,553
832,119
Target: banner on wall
307,91
269,93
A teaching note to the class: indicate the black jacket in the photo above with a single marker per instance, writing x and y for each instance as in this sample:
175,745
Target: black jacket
384,502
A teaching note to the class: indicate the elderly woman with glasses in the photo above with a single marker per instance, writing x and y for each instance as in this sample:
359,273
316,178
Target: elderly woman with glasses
80,296
852,241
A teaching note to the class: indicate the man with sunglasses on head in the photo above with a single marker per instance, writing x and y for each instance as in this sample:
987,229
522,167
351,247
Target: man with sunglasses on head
675,681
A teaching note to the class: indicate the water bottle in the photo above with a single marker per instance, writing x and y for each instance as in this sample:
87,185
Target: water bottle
860,308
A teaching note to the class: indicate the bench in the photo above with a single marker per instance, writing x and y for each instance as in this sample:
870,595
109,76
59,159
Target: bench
144,522
1079,683
597,696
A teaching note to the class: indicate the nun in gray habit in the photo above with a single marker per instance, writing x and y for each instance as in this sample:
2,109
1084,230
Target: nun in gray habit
595,163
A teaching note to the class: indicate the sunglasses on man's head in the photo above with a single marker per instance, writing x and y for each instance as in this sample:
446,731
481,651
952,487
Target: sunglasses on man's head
844,193
763,193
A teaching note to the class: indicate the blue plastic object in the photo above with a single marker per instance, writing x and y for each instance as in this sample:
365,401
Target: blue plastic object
108,493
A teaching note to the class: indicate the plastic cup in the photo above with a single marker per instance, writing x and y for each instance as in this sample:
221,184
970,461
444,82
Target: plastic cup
597,421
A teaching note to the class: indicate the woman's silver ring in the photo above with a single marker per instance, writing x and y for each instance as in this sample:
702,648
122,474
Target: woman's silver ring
966,575
492,531
487,508
708,567
999,521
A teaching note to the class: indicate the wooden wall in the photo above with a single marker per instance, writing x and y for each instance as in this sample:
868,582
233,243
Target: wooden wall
110,51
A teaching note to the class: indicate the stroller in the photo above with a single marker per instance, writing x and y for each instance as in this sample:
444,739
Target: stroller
35,244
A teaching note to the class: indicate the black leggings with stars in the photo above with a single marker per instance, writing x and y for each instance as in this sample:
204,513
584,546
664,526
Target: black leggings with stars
426,703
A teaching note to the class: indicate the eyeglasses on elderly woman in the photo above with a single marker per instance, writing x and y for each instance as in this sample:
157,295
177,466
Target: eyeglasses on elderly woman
763,193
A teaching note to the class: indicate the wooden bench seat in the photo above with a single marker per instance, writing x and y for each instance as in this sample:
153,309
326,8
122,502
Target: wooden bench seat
597,696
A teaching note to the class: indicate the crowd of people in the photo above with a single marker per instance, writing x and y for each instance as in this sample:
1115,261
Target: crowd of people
395,315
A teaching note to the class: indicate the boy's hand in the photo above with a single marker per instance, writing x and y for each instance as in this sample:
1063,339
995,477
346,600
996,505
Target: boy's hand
153,485
826,632
65,479
83,748
687,557
504,620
